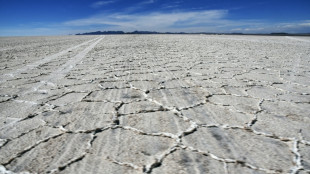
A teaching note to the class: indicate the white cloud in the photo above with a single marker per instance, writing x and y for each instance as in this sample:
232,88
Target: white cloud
100,3
187,21
305,24
154,21
289,27
171,5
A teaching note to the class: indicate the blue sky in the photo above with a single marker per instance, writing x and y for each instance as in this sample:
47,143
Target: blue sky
62,17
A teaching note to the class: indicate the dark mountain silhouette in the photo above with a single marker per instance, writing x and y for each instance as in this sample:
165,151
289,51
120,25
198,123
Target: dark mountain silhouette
155,32
101,33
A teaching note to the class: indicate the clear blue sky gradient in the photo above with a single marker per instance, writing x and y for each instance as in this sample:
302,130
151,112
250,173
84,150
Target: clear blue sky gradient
61,17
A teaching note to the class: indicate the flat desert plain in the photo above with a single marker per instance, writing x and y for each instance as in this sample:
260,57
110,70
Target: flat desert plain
155,104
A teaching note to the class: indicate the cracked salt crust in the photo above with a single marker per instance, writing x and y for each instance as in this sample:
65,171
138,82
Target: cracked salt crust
154,104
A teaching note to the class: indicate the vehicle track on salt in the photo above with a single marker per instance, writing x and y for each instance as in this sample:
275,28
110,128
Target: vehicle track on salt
47,59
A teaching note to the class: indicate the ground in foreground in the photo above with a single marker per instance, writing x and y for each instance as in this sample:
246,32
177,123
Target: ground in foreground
155,104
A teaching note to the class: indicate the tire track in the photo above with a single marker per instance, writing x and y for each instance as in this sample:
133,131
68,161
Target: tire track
64,69
47,59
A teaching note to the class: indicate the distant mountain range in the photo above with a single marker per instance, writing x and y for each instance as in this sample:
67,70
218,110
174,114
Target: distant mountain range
154,32
134,32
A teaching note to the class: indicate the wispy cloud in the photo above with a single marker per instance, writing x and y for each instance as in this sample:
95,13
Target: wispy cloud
289,27
153,21
98,4
187,21
171,5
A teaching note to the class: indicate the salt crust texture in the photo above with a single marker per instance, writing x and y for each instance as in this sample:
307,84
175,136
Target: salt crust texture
155,104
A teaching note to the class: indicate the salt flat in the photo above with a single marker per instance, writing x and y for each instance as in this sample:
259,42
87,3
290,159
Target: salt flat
155,104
